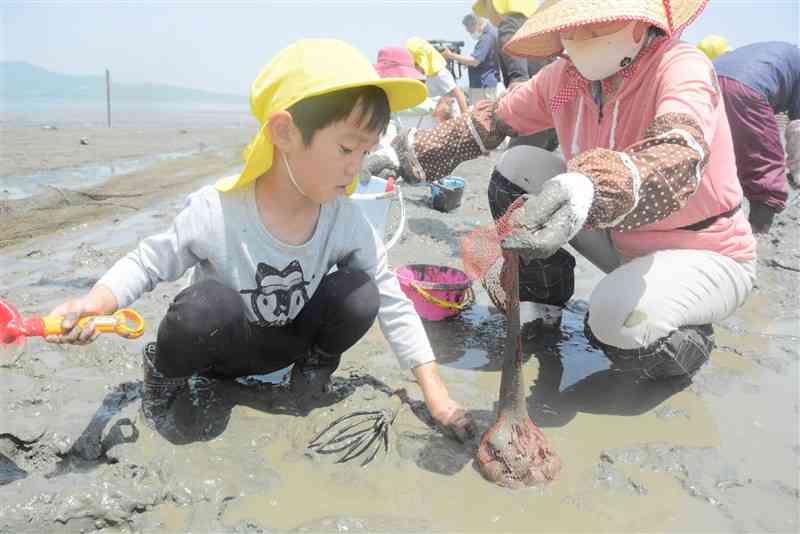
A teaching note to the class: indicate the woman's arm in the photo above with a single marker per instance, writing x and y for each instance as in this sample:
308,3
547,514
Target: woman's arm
649,180
426,155
655,176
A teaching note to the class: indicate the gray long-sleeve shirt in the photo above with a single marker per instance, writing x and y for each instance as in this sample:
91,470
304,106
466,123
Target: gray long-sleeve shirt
221,236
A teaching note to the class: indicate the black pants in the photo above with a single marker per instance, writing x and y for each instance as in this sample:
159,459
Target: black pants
206,330
548,281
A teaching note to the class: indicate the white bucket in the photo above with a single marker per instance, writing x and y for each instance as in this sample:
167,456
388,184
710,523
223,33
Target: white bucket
375,201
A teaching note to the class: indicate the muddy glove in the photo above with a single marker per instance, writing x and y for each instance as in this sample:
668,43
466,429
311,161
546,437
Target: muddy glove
547,221
382,162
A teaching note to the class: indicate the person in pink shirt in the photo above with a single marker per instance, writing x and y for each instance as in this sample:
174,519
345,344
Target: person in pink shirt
647,190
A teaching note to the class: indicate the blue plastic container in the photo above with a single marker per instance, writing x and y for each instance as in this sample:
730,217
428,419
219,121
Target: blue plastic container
446,193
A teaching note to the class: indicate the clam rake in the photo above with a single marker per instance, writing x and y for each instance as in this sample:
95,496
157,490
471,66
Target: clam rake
356,434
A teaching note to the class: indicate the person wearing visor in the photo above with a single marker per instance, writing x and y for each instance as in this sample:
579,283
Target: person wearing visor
647,190
438,79
262,244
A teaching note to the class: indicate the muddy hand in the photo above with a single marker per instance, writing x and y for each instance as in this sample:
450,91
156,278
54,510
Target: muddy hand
461,426
74,333
456,422
549,220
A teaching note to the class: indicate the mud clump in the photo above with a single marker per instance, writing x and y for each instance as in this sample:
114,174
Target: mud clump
517,455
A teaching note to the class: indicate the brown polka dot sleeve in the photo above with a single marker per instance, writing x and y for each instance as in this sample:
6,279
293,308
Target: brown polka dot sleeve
651,179
430,154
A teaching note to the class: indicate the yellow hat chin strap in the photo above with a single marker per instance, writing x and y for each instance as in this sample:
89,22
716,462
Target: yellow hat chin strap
352,187
349,191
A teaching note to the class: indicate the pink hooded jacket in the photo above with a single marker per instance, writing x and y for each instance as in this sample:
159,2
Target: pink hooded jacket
672,78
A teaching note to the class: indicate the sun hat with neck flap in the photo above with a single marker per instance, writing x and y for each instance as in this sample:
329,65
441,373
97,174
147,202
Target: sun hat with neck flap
396,62
525,7
539,37
311,67
425,55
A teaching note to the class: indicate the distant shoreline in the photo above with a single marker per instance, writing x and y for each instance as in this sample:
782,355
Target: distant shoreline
129,113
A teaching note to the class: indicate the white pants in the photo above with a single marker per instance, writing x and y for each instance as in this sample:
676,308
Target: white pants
647,298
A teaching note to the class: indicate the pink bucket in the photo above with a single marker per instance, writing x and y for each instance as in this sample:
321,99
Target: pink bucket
436,291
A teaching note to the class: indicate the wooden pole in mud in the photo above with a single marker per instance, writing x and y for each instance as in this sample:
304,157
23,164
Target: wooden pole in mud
108,97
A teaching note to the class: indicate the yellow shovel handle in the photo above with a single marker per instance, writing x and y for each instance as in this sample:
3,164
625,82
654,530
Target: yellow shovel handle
469,298
126,323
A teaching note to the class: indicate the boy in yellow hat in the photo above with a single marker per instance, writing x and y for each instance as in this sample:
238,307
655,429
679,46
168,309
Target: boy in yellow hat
262,244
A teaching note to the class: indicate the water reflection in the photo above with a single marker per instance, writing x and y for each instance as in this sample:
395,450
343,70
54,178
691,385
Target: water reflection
18,187
567,375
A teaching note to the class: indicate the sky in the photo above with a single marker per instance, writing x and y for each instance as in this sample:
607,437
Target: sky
221,45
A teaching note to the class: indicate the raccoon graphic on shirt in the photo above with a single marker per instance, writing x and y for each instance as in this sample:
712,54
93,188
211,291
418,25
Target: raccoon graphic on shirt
279,295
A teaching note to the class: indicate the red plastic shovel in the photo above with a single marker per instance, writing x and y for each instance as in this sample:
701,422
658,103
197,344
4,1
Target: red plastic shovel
15,329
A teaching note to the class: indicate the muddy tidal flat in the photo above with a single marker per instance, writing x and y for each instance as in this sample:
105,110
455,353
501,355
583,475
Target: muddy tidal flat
718,454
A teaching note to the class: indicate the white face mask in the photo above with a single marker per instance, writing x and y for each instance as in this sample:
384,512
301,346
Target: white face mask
601,57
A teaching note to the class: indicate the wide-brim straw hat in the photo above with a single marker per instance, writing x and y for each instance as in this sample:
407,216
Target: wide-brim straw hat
311,67
539,36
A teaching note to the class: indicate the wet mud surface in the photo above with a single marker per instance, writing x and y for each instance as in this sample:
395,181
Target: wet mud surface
719,454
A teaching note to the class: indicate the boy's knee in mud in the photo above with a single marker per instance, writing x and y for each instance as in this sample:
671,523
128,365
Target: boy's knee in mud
352,301
198,326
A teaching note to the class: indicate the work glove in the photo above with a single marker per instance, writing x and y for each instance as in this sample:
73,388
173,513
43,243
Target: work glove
382,162
547,221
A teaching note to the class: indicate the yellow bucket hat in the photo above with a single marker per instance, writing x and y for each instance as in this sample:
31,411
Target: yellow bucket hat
714,45
526,7
311,67
538,37
425,55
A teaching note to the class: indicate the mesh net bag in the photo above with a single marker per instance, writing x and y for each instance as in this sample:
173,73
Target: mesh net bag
483,256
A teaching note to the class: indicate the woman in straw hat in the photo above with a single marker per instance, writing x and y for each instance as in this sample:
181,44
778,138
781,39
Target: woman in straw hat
648,190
